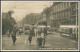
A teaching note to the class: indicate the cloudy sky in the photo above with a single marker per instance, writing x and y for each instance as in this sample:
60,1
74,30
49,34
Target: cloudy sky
21,8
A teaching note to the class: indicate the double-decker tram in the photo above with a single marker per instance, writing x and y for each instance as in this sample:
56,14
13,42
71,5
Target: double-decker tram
69,31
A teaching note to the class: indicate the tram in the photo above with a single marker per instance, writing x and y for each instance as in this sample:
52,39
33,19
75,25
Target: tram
70,31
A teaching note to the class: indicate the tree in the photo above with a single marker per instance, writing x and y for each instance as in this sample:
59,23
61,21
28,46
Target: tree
8,22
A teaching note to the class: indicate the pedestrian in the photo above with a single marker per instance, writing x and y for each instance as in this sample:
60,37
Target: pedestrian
19,32
8,34
31,34
39,31
30,39
39,41
43,35
45,31
14,35
36,31
40,38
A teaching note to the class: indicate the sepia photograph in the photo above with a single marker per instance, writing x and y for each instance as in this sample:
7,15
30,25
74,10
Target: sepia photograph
39,25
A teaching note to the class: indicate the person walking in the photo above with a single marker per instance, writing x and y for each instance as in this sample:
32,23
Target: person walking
19,32
43,35
45,31
36,31
30,39
31,34
39,31
14,35
8,34
39,41
40,38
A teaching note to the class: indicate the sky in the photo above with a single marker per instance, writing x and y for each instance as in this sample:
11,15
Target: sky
21,8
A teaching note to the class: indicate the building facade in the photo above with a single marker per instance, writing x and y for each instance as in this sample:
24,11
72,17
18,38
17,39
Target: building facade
61,13
46,15
64,13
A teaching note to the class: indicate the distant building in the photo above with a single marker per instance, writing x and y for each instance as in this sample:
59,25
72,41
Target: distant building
46,15
32,18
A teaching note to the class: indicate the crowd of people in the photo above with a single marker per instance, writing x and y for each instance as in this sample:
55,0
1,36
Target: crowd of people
39,32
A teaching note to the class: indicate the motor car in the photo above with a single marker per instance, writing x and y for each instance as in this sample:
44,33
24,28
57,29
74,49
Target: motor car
21,29
27,28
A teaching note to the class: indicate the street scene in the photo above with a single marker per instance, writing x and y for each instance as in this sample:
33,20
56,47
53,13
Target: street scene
39,25
53,42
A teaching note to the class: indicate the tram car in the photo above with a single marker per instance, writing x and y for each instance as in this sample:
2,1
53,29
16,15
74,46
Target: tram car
69,31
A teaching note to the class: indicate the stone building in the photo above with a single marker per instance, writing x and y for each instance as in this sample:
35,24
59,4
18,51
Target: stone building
64,13
61,13
46,15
